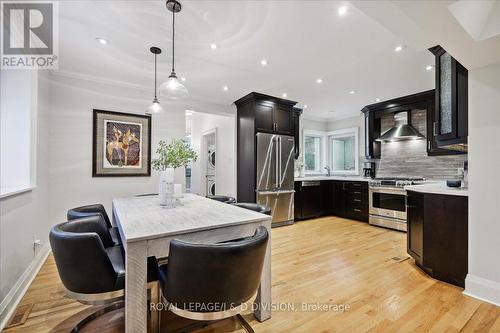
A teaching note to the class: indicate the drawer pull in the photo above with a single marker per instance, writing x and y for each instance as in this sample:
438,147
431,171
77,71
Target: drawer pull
357,210
356,192
357,200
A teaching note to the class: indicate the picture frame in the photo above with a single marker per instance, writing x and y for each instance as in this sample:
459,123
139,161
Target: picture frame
121,144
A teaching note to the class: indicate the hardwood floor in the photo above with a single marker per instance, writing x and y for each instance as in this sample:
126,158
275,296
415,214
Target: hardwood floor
328,261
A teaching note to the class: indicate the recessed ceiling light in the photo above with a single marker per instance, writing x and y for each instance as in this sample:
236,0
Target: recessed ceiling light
342,10
377,100
305,106
352,92
183,79
225,88
102,41
263,62
284,95
319,80
399,48
429,67
213,46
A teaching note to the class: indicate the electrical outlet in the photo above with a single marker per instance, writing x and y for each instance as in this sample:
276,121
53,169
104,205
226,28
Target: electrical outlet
36,242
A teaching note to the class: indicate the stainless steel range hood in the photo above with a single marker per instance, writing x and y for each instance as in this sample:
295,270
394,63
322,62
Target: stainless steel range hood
402,129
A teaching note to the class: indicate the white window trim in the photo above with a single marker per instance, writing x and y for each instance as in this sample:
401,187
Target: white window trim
33,149
342,133
323,137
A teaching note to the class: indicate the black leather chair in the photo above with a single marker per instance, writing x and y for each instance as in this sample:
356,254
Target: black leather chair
96,209
211,282
91,273
255,207
222,198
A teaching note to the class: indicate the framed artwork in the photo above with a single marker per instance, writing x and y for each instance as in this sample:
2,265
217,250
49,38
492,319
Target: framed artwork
121,145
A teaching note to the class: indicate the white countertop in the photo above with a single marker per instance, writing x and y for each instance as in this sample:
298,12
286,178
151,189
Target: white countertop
333,177
438,188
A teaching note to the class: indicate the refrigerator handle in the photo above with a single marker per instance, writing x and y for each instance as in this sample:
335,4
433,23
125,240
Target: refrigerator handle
281,179
276,155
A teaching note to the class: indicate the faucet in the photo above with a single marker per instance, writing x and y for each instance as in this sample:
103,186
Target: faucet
328,169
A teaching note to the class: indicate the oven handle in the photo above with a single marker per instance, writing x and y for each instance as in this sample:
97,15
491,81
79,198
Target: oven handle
387,190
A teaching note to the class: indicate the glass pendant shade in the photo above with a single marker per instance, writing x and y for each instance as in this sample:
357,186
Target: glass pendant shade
173,88
155,107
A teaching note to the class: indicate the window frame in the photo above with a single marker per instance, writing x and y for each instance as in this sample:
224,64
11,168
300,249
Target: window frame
343,133
33,141
322,159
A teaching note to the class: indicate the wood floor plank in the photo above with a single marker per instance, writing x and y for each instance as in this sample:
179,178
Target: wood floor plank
322,262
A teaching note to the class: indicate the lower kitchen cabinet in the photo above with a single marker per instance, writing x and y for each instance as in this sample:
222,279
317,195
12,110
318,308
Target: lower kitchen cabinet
348,199
437,235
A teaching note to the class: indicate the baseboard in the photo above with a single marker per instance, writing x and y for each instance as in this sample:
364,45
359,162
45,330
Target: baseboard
483,289
9,304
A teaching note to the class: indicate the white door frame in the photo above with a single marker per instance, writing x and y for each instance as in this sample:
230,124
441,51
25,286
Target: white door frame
204,160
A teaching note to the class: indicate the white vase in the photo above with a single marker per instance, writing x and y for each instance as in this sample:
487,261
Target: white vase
166,188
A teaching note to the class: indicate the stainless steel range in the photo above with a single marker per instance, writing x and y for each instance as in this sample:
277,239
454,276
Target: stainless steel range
387,200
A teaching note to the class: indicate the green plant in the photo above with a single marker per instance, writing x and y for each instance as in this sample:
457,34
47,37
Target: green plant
174,155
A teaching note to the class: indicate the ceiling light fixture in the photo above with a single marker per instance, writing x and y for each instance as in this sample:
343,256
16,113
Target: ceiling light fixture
342,10
399,48
102,41
429,67
155,107
213,46
305,106
225,88
284,95
172,88
352,92
183,79
319,80
377,100
263,62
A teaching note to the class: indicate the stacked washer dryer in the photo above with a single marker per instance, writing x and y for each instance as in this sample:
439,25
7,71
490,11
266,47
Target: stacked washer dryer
211,170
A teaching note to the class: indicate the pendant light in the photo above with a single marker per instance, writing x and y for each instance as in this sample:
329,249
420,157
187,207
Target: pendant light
173,88
155,107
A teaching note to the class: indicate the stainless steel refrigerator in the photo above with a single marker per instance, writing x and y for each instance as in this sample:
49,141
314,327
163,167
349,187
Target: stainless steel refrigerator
275,180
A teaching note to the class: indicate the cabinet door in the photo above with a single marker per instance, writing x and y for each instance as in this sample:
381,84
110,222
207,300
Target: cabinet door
339,198
327,196
297,202
446,111
296,131
311,201
283,120
264,117
415,225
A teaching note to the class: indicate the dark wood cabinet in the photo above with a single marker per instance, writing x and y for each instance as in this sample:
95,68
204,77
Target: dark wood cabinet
258,113
437,235
296,130
415,225
451,102
308,200
413,103
264,116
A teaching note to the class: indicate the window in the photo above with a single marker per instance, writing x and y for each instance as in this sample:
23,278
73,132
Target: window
313,151
17,109
343,149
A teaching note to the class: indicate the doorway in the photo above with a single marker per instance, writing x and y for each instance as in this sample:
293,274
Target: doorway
209,162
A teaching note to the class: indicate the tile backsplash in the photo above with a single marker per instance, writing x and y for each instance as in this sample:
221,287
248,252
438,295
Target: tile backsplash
409,158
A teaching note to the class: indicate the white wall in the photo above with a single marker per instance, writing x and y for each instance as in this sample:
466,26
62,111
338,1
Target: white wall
225,154
71,182
25,216
483,280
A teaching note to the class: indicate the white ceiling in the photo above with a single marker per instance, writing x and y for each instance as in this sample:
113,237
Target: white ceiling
301,41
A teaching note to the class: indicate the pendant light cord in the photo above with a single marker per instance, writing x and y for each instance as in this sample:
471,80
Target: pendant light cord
173,38
155,76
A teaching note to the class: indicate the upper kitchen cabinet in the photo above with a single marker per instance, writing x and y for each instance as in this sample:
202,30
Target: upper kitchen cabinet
296,130
270,114
415,111
451,109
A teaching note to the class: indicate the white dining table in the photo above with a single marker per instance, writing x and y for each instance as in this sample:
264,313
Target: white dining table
146,229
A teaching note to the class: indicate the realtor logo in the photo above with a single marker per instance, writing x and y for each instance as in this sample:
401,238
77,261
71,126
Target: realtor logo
29,35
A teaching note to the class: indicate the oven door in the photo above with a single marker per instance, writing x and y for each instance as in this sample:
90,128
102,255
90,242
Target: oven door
389,202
